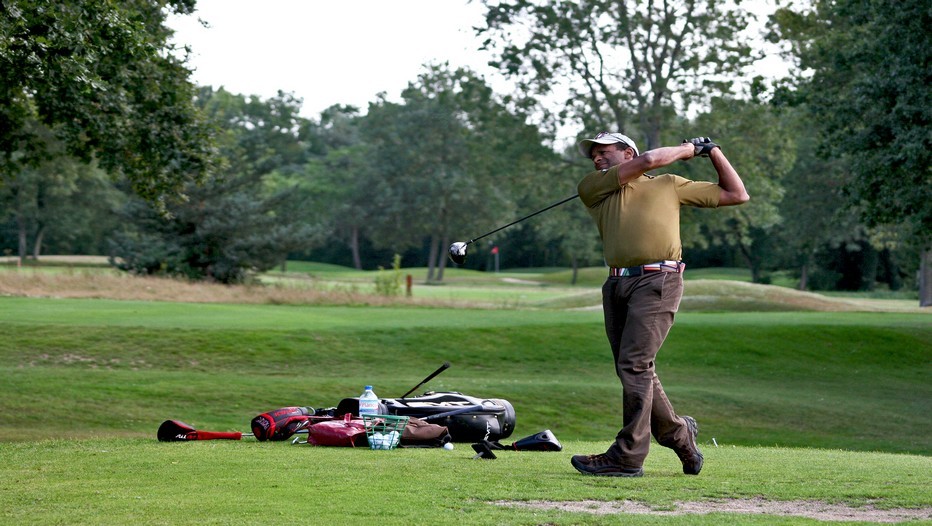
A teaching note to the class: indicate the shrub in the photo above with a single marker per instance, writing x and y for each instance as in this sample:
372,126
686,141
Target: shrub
389,283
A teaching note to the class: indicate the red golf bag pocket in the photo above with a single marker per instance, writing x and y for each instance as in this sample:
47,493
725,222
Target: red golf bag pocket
348,432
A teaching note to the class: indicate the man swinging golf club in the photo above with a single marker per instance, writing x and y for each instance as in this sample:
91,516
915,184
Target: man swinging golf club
638,217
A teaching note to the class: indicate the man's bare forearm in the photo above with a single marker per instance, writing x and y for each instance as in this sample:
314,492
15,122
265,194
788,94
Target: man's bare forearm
733,190
652,160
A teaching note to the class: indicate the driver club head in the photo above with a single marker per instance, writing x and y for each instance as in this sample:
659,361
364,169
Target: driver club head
458,252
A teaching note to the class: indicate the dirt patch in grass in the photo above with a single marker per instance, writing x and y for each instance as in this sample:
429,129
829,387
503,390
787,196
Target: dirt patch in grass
821,511
108,284
60,260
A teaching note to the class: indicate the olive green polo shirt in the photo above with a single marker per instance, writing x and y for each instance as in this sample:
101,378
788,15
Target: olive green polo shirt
640,222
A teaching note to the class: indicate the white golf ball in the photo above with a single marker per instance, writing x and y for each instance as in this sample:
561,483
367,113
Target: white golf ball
448,446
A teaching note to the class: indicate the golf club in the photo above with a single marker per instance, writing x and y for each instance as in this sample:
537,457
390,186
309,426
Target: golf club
458,249
441,369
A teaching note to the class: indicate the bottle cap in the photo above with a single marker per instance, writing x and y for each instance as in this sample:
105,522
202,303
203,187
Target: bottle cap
368,388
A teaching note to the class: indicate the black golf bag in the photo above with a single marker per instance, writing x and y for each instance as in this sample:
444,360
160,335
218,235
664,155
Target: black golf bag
468,418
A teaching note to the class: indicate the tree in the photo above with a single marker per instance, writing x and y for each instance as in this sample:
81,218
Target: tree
571,229
810,211
239,222
756,142
101,75
452,158
623,64
424,182
864,73
226,232
60,200
337,180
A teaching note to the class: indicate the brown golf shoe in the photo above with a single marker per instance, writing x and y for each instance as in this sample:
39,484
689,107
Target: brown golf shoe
601,465
691,457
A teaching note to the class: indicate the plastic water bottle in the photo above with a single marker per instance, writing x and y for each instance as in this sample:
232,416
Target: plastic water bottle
368,402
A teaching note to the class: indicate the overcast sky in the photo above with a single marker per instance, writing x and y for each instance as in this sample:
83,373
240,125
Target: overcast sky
336,52
327,52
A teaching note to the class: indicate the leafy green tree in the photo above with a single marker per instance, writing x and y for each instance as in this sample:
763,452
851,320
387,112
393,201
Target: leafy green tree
864,73
102,76
237,223
451,158
571,230
811,211
624,65
421,151
226,232
62,201
761,150
338,180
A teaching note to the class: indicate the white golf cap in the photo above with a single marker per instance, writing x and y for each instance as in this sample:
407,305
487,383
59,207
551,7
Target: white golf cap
585,145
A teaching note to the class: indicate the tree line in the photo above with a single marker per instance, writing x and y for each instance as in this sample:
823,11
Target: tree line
108,148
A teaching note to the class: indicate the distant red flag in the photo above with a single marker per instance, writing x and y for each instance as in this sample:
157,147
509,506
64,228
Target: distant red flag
495,250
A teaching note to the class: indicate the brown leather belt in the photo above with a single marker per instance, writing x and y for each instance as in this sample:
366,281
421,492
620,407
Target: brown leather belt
660,266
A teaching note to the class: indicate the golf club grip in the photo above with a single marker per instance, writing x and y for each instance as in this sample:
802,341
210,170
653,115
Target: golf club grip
424,381
218,435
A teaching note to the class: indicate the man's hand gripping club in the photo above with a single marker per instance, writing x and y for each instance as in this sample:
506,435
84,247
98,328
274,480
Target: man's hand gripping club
703,145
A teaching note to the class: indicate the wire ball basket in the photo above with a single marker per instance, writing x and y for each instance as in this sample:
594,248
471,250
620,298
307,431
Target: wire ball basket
384,431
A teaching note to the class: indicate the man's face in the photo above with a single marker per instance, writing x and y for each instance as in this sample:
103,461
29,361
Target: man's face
607,155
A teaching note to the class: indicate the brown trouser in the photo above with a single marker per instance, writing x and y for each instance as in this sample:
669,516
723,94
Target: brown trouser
639,312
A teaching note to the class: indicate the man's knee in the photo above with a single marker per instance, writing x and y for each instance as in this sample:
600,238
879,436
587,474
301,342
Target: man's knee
635,363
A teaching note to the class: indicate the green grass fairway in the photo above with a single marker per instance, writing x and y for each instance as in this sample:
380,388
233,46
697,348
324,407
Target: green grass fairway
141,481
784,379
796,410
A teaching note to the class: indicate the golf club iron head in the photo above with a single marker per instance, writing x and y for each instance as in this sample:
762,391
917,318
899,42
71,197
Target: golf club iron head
458,252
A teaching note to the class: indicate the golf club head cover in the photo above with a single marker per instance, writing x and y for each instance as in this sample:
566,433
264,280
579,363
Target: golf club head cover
280,424
178,431
543,441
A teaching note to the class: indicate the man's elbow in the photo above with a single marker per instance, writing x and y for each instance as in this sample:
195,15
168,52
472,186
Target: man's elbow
734,198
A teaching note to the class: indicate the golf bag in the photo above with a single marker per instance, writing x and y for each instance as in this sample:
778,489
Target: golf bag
350,406
280,423
467,418
345,431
